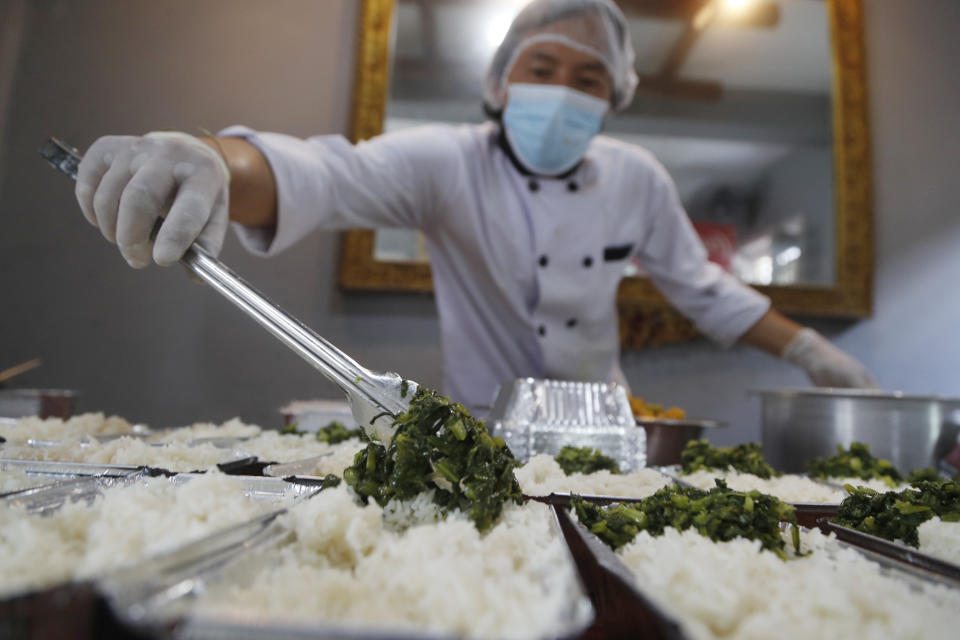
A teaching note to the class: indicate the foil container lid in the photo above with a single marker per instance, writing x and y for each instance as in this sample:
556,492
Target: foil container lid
542,416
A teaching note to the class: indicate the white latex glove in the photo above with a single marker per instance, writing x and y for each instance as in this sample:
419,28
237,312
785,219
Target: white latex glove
124,183
825,365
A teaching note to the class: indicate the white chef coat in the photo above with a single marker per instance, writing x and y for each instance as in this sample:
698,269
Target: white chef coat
525,269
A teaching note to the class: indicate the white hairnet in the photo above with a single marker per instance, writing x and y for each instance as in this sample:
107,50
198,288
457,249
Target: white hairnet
596,27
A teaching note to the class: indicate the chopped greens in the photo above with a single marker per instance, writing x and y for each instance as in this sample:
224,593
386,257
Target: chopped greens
584,460
336,432
928,474
720,514
746,458
857,462
333,433
895,515
330,480
438,445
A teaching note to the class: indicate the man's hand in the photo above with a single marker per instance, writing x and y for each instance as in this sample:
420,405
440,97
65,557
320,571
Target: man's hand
825,365
125,183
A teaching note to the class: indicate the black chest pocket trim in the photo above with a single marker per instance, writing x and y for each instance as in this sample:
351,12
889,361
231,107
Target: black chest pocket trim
619,252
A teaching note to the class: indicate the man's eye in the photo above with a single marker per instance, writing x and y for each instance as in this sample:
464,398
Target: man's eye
541,73
588,83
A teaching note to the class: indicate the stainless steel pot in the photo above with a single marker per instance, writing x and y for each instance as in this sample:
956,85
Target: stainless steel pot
911,431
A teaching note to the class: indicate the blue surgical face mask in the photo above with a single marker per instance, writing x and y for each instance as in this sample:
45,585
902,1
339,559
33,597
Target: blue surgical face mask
549,126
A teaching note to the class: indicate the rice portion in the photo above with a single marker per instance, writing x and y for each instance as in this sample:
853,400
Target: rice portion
733,590
940,539
57,430
176,456
515,581
234,428
789,488
274,446
126,524
542,475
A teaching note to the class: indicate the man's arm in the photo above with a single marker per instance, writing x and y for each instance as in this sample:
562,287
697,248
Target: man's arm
253,189
824,364
772,333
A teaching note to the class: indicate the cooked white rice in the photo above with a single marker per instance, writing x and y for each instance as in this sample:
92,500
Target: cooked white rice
940,539
276,447
234,428
184,448
57,430
789,488
542,475
176,456
733,590
340,458
349,568
127,523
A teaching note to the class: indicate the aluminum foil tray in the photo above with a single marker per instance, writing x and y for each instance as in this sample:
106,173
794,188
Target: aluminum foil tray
541,416
50,497
925,564
60,469
622,611
158,592
40,473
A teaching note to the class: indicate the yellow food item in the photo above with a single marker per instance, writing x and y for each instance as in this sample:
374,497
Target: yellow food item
643,409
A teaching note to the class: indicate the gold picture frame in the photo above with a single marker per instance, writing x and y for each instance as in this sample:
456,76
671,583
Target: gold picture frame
646,318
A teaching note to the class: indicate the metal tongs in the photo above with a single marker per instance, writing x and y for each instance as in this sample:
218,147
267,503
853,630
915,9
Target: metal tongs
375,398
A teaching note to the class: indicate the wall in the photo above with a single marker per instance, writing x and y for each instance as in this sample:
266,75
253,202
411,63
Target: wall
151,346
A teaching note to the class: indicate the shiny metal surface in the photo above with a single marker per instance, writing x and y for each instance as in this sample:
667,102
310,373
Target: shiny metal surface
374,397
542,416
50,497
71,469
912,431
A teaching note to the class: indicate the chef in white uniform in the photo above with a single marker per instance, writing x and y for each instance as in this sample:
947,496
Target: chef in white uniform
530,218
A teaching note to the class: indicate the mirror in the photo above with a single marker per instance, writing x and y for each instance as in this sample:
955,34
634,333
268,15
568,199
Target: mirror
755,107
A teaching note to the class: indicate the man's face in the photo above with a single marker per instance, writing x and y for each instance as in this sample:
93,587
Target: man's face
555,63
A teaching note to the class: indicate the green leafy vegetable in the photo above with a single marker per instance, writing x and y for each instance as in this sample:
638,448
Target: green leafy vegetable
336,432
291,430
720,514
857,462
438,445
746,458
927,474
895,515
330,480
584,460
